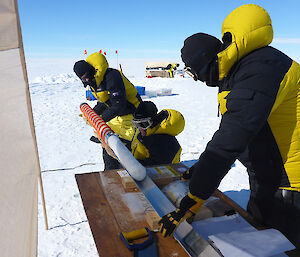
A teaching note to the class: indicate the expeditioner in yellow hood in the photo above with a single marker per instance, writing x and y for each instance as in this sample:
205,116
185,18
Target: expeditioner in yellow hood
155,142
259,99
117,98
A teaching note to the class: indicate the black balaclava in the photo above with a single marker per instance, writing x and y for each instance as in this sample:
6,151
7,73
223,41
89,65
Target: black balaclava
199,52
81,67
148,109
145,109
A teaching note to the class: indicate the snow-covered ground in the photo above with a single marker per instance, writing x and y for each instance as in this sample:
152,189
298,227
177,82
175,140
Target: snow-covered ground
65,150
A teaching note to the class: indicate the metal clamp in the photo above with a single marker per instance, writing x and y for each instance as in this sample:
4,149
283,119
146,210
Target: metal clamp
128,238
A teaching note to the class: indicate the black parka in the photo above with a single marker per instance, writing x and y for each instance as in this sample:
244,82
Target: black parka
259,99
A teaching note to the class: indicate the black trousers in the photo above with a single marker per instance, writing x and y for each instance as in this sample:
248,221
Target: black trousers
279,209
110,163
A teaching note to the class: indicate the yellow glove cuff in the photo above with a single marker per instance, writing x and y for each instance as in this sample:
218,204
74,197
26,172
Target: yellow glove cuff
199,202
195,198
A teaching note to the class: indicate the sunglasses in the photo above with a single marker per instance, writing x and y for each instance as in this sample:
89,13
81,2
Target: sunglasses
143,123
190,72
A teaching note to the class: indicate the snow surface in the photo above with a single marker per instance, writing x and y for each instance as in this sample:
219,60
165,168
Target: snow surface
65,150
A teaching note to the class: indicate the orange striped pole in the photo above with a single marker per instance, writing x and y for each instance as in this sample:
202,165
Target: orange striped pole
97,122
127,160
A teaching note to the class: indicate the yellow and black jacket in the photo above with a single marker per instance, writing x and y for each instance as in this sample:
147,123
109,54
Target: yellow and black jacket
259,99
117,97
172,68
160,145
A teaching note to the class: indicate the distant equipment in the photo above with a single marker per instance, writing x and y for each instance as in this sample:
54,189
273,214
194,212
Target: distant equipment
89,95
141,90
180,73
160,69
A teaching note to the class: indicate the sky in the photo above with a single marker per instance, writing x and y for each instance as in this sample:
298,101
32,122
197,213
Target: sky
140,29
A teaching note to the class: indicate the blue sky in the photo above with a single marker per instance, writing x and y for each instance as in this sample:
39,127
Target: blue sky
140,29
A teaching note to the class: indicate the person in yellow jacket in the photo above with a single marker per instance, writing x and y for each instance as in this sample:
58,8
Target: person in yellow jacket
172,67
259,99
117,98
155,142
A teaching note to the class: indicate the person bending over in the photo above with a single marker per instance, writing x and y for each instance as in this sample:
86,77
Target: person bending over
155,142
117,99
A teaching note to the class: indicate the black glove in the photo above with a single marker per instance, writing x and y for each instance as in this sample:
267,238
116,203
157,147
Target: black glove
187,174
188,207
99,108
95,140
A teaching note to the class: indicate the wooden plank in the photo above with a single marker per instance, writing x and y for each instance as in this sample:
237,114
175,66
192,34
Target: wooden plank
116,196
103,224
129,220
108,215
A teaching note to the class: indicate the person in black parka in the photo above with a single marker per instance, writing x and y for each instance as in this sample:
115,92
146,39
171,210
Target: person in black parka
259,99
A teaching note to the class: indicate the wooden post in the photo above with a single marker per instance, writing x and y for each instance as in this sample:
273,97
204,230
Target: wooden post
43,200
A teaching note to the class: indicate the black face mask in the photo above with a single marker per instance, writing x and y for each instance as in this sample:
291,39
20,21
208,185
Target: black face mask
213,73
199,53
89,80
92,83
203,73
209,73
82,68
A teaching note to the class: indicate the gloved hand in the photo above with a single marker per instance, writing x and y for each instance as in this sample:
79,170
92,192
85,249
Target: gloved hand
188,207
106,146
188,174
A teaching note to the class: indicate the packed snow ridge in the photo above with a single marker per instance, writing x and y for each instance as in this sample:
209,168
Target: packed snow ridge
56,79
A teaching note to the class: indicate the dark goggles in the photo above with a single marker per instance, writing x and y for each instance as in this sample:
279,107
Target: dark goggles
142,123
191,73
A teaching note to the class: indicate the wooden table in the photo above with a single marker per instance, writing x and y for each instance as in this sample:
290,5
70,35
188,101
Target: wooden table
108,215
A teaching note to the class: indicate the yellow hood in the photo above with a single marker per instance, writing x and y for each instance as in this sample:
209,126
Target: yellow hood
251,28
99,62
172,125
